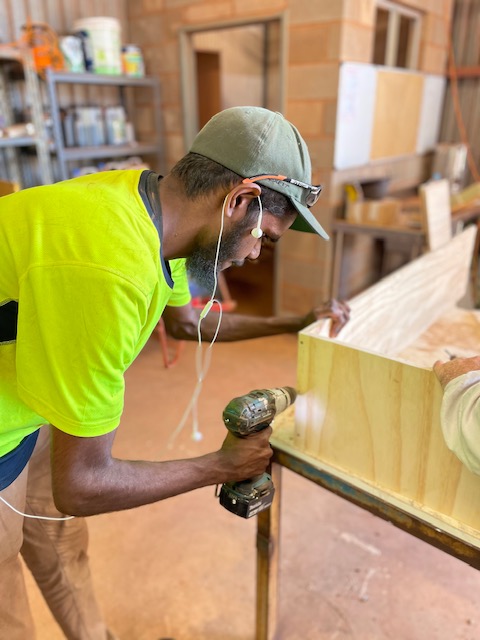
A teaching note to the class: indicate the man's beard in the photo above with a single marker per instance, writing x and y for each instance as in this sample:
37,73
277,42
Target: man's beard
200,264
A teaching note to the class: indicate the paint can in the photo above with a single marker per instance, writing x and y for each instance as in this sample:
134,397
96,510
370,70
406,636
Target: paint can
132,61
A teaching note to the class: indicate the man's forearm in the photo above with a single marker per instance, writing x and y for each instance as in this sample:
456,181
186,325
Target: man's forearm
182,322
239,327
87,480
127,484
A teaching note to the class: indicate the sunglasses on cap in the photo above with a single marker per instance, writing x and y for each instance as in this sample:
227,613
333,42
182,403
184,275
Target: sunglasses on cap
313,192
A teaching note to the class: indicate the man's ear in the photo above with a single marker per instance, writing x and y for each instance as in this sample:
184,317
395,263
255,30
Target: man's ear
238,199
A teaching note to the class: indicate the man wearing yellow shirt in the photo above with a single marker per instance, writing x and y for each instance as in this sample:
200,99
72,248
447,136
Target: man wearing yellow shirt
88,267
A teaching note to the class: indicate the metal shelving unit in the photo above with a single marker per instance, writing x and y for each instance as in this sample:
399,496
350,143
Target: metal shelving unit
110,151
34,98
67,154
24,141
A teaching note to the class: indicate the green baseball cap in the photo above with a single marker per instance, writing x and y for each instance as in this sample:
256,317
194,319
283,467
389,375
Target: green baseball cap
255,142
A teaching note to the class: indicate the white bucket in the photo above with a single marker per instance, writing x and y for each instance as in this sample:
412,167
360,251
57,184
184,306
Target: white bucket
105,39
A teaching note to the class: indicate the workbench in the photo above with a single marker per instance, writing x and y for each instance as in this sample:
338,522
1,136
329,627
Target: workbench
410,239
387,456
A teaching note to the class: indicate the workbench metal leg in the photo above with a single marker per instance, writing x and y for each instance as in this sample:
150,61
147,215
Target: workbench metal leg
268,560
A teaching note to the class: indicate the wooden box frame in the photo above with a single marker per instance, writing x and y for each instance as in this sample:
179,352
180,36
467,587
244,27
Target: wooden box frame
369,403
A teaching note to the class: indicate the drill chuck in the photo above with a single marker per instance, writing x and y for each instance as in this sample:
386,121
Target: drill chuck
256,410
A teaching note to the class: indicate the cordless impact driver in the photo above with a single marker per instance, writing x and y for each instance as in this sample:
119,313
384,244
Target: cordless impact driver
244,416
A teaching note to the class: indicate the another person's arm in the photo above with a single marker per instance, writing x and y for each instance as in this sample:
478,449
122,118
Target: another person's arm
460,412
181,322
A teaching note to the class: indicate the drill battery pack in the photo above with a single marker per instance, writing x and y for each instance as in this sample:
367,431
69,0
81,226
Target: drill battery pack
247,499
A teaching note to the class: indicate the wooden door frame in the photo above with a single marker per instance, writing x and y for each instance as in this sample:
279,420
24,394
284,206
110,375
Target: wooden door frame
189,86
188,71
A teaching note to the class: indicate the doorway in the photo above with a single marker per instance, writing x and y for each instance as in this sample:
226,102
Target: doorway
226,65
209,100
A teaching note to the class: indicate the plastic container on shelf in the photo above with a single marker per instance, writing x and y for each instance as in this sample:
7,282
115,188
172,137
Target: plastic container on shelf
115,124
132,61
89,126
73,55
104,36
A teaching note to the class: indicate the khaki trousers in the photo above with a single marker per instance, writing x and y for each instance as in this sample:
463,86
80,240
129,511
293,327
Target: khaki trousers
54,551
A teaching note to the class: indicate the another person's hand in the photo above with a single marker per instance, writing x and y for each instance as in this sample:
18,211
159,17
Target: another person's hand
447,371
247,457
337,310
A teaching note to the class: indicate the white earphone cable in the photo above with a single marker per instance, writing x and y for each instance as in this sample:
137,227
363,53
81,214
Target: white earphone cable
202,364
29,515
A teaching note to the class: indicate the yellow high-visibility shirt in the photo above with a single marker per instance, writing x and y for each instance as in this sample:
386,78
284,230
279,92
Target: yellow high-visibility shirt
82,260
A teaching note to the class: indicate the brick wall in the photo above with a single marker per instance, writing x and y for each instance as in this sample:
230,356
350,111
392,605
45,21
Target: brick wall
321,35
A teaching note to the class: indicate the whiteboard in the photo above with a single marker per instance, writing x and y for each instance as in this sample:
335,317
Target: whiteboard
355,109
431,112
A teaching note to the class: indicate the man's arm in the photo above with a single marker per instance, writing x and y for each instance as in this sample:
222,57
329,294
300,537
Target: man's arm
181,322
448,371
460,411
87,480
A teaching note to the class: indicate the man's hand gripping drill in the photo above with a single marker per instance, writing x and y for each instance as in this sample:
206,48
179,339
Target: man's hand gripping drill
243,417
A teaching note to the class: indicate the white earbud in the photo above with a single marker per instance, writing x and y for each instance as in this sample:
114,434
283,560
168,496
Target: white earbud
257,232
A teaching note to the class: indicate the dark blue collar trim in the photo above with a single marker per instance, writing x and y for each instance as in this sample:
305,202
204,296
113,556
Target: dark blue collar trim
148,189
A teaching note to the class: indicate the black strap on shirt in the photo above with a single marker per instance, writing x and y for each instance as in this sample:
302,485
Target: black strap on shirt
8,321
148,189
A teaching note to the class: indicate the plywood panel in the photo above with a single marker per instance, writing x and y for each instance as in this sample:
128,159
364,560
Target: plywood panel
436,212
371,417
283,437
391,314
397,113
455,334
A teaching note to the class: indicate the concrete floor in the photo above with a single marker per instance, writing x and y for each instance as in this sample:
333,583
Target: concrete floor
185,568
